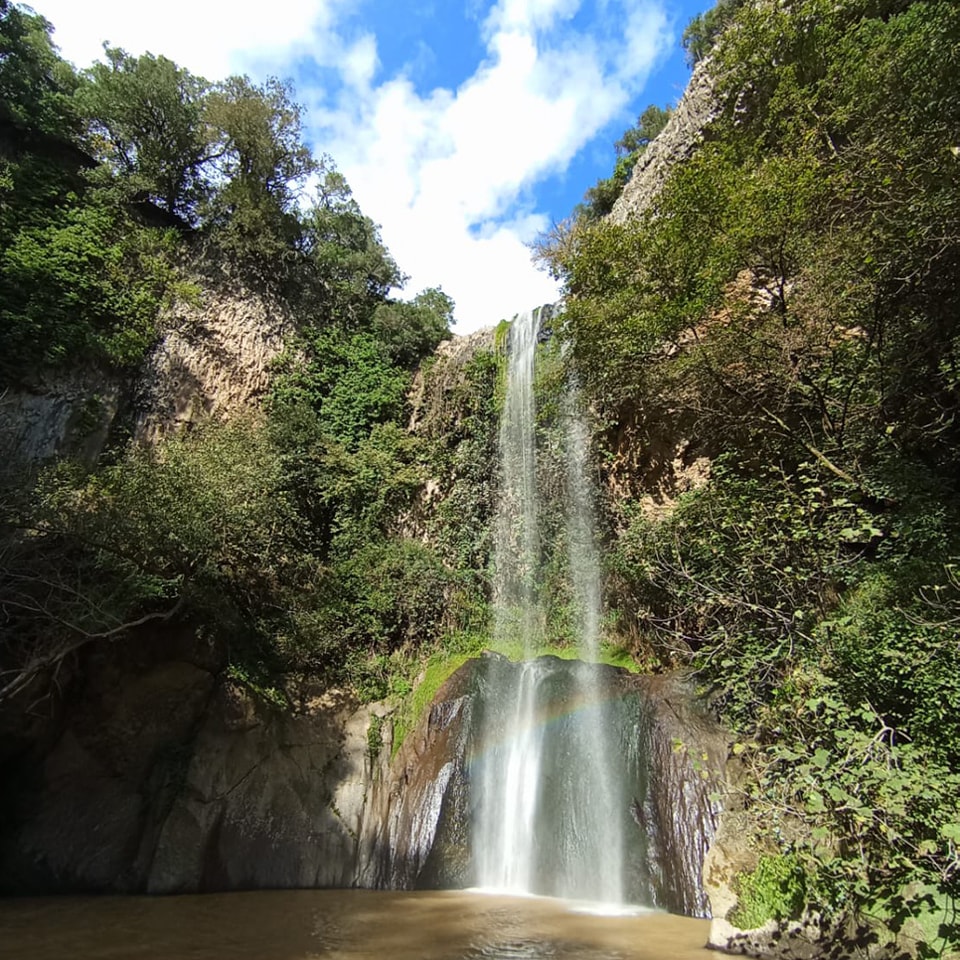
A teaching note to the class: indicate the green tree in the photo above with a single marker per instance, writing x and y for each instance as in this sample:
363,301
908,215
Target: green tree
145,121
348,271
599,199
36,85
264,166
87,283
702,31
648,125
411,331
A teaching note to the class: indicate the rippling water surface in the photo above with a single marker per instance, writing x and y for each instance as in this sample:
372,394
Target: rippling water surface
336,925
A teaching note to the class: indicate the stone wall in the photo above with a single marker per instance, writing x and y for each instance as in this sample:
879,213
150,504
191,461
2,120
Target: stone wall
213,358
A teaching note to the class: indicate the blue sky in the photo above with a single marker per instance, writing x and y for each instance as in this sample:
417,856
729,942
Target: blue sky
465,127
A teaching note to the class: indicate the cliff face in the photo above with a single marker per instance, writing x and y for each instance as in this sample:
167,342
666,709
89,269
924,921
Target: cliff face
160,777
212,358
677,141
67,413
158,774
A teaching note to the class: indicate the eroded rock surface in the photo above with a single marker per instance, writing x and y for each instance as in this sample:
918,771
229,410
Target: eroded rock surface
67,414
213,359
160,775
678,140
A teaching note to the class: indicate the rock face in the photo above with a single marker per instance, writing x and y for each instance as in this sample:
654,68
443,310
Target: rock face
213,359
435,389
677,141
268,800
426,839
161,777
69,414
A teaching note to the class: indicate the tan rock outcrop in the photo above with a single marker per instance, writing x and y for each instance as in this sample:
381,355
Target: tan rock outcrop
213,359
678,140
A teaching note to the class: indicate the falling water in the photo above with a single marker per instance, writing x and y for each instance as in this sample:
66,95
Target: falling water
584,563
549,817
510,784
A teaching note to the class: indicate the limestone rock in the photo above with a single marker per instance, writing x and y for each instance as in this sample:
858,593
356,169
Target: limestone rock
679,138
62,414
213,359
82,815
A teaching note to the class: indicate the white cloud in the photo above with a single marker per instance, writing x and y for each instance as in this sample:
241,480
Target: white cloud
525,15
209,37
448,174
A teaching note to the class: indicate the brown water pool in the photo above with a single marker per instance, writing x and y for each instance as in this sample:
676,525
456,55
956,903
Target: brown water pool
336,925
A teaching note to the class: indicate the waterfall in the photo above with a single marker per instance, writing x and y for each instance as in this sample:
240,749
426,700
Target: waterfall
584,562
550,813
510,781
547,776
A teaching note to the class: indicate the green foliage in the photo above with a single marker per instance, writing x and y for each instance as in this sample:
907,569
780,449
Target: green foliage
374,737
648,125
461,433
599,199
214,523
439,668
348,272
775,890
145,121
91,164
264,165
206,510
702,31
35,84
88,282
880,813
393,593
349,381
411,331
279,537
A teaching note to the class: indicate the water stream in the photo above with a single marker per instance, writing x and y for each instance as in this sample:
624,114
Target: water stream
551,805
598,765
509,788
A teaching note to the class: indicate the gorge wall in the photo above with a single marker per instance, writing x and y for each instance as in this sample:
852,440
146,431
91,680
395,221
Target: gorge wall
212,359
158,776
154,773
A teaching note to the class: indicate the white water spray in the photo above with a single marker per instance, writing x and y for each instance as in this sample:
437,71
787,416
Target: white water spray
510,781
584,562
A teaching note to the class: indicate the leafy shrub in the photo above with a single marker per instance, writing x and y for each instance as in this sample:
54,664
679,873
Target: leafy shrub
775,890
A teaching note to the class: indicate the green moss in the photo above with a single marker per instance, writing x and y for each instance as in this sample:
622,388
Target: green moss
501,338
776,890
439,668
465,646
374,736
501,335
618,656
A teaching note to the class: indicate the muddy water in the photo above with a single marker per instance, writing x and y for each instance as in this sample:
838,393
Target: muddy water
336,925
